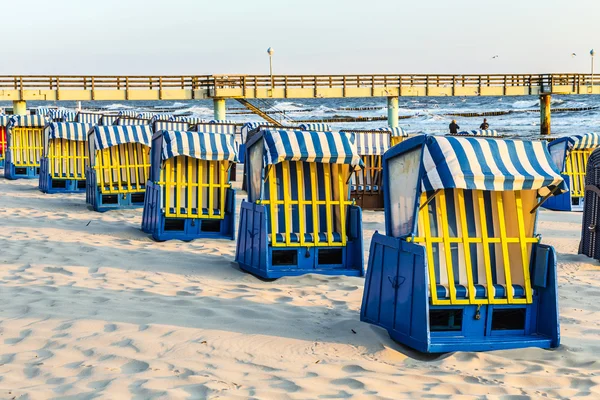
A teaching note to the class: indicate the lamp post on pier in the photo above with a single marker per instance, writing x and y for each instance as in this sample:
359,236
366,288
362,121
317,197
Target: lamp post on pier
270,51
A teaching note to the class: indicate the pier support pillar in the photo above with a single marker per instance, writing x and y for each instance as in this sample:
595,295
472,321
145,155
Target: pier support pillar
392,104
219,106
545,114
19,107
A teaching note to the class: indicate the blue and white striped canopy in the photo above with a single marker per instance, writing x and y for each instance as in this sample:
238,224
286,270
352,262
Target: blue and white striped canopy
145,115
310,146
370,144
64,114
128,113
68,130
108,119
37,121
203,146
88,118
4,119
319,127
488,164
113,135
216,128
131,121
248,126
43,111
161,117
189,119
158,126
479,132
586,141
395,132
221,121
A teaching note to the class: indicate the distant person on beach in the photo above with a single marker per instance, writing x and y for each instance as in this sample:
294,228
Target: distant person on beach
454,126
484,125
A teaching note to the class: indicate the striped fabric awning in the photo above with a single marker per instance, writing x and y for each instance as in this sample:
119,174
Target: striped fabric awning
203,146
586,141
88,118
488,164
145,115
68,130
216,128
160,125
128,113
480,132
395,132
161,117
371,144
113,135
27,120
65,115
310,146
248,126
43,111
319,127
221,121
108,119
189,119
4,119
131,121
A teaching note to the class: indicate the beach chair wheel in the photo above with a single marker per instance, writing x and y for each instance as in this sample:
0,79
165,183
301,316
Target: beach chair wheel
477,313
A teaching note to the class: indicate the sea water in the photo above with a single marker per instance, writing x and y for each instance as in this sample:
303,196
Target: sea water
418,114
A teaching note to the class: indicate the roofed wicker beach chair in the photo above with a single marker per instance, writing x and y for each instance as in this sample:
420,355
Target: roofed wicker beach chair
461,267
299,217
3,122
590,238
365,184
64,158
189,195
119,166
88,118
24,143
571,154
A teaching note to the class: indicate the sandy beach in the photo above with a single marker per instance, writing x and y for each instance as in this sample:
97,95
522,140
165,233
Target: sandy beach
91,307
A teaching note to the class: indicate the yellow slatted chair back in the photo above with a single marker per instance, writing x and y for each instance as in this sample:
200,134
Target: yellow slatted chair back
575,167
67,158
27,144
307,203
369,178
124,168
477,239
194,188
2,143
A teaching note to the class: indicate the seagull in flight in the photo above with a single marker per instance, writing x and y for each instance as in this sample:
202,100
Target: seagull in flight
573,55
494,57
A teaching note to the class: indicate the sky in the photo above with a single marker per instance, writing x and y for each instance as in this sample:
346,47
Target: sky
119,37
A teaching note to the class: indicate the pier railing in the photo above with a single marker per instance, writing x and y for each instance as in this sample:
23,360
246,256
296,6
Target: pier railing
278,86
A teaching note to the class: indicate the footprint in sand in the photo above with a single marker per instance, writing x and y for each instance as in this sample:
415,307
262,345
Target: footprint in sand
351,383
134,367
58,270
22,336
110,328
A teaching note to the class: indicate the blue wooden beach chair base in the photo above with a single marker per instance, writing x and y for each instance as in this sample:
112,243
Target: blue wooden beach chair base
162,228
564,202
397,298
52,185
2,162
103,202
13,172
255,254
